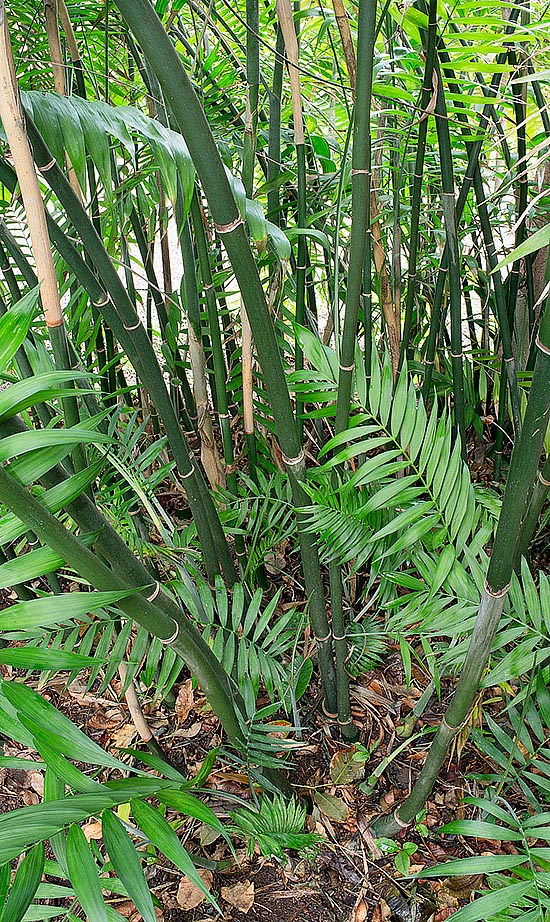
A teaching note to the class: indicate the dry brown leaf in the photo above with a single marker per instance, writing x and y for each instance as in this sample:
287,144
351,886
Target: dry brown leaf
344,769
129,911
240,895
331,806
187,733
361,912
92,831
124,736
36,781
189,895
185,702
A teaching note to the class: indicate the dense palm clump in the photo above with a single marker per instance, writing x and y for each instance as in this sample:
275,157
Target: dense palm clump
273,279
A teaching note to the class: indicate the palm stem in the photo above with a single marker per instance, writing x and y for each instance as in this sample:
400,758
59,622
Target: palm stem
523,469
180,95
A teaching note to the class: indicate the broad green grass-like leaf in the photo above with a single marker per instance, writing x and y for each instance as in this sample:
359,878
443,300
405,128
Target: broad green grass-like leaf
481,830
165,839
127,865
14,326
40,387
192,806
57,609
84,875
30,441
39,658
29,566
480,864
63,734
490,904
536,241
24,827
25,885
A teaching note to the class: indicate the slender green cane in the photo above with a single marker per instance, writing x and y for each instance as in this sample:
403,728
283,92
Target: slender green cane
360,196
188,413
173,629
509,364
359,240
129,328
274,133
249,161
180,96
427,94
490,91
536,502
220,370
453,250
521,476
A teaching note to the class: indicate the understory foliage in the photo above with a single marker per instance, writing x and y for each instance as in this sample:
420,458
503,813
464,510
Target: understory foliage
266,437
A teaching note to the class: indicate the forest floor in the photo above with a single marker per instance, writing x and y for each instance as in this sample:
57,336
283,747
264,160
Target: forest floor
350,878
353,877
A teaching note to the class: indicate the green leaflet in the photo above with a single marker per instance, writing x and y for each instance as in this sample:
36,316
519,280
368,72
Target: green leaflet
15,325
127,865
161,834
25,885
84,875
57,609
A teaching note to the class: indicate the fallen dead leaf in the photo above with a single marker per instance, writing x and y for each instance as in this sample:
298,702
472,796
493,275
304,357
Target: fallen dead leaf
189,895
331,806
344,769
187,733
240,895
92,831
36,780
185,702
124,736
361,912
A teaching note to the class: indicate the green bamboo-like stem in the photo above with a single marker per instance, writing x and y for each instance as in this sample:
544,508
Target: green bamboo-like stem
523,469
359,239
209,451
181,98
121,316
540,100
509,364
360,196
520,111
427,95
220,370
78,70
301,268
490,91
274,133
11,113
453,251
534,509
249,161
165,620
179,386
187,413
289,29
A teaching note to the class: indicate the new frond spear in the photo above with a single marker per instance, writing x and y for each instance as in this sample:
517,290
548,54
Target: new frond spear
182,100
523,470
